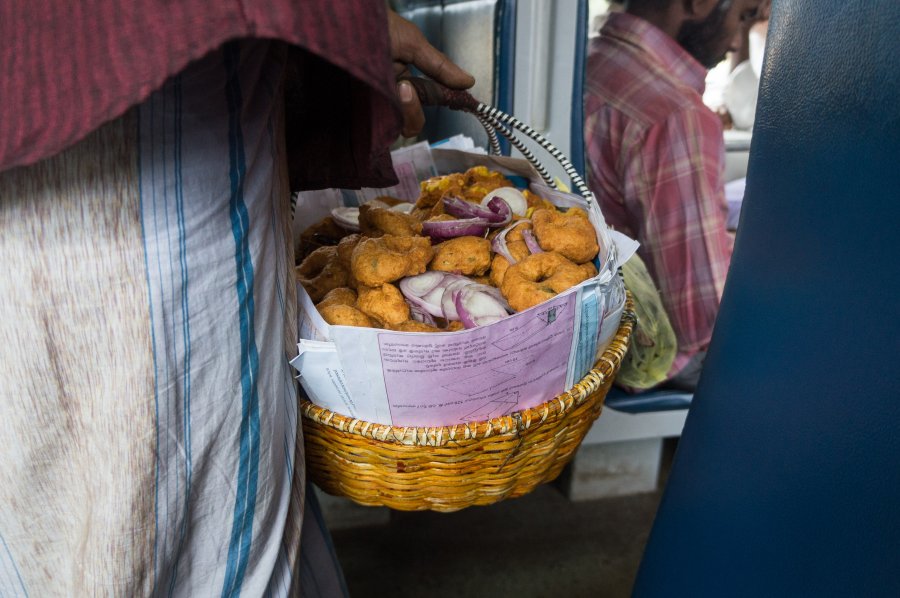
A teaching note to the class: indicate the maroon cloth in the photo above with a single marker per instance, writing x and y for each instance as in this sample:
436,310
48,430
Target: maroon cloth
67,67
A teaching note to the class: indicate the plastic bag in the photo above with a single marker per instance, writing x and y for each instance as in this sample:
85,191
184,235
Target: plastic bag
653,343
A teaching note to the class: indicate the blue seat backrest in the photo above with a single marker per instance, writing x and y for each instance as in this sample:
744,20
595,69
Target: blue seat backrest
786,481
479,35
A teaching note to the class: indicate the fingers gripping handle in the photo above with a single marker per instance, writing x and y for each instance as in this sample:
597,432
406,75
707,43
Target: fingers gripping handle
432,93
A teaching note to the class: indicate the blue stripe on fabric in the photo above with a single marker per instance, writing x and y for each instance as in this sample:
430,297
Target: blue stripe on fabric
248,467
152,331
161,285
170,383
185,324
12,561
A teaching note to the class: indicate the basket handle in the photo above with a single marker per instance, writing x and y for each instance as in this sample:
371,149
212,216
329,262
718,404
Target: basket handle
432,93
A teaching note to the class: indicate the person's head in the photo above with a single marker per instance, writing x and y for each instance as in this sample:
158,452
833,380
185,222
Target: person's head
707,29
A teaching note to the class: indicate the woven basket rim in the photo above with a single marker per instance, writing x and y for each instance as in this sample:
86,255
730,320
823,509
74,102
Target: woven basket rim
606,365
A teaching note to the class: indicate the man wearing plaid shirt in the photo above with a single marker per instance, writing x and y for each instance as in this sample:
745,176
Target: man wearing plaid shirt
656,155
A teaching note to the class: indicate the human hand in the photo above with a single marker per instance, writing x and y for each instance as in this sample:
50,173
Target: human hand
409,47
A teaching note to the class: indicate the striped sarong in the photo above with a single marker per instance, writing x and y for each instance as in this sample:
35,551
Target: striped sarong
148,415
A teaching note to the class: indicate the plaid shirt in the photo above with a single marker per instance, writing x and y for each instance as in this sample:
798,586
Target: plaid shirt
656,160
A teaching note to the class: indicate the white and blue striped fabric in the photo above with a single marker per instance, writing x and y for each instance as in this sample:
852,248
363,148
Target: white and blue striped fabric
147,401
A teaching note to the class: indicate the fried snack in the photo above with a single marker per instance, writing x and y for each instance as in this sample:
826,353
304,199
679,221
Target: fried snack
321,234
389,258
463,255
345,248
433,190
471,185
338,296
321,272
414,326
385,305
540,277
518,249
455,326
537,202
515,242
479,181
345,253
568,233
345,315
499,266
375,222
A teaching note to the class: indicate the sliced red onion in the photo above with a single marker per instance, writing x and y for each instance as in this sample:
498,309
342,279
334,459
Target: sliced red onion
496,294
346,217
495,212
448,229
514,198
438,294
531,241
448,299
478,307
434,296
499,246
420,315
498,206
419,291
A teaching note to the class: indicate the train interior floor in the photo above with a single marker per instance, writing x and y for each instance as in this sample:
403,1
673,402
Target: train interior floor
538,545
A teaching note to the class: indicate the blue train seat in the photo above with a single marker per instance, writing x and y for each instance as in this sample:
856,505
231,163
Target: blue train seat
786,481
644,402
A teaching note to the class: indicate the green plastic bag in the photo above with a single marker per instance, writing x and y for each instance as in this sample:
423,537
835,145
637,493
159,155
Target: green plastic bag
653,344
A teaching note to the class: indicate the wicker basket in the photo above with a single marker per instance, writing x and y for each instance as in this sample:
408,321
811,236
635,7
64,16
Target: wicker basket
450,468
479,463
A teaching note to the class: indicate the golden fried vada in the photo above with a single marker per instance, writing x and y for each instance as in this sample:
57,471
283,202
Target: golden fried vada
375,222
384,305
540,277
515,242
471,185
499,266
536,202
389,258
463,255
345,315
338,296
479,181
345,248
432,191
321,272
414,326
568,233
